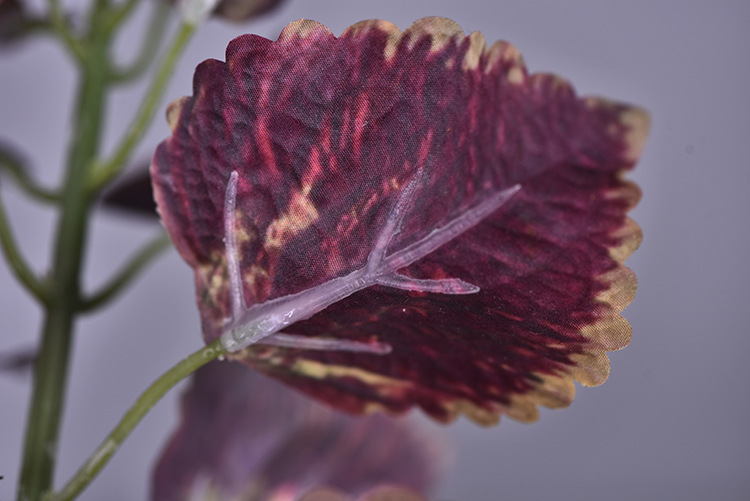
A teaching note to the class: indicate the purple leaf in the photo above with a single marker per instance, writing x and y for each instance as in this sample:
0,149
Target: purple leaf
231,446
132,194
13,21
384,493
448,228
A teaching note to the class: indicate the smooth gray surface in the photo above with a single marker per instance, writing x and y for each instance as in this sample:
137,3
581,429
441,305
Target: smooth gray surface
671,421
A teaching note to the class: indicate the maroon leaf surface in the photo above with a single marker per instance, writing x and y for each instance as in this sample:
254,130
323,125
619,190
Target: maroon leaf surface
17,22
352,150
279,444
385,493
132,194
17,362
12,19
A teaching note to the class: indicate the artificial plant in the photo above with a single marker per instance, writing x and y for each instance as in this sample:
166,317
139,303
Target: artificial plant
382,220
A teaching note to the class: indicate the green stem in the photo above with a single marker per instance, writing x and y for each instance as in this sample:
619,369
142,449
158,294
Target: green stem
105,172
63,29
118,13
145,402
14,165
127,274
16,261
50,375
160,13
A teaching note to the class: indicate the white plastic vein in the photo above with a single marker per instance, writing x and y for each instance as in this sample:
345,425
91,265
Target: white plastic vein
262,322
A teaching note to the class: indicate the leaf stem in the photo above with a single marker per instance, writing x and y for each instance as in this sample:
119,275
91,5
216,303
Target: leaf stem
126,275
16,261
62,27
118,13
14,165
160,13
99,458
106,171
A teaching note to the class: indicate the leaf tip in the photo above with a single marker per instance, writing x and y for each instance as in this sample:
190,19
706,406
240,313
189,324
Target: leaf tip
508,58
304,29
638,122
173,112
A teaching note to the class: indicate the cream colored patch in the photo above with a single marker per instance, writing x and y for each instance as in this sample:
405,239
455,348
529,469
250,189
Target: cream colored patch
552,391
591,369
253,273
371,407
523,408
474,54
631,236
391,30
173,112
304,28
638,123
241,234
557,81
215,276
621,291
477,414
516,76
609,333
440,30
319,370
215,272
629,191
256,279
217,281
504,53
636,120
301,215
555,392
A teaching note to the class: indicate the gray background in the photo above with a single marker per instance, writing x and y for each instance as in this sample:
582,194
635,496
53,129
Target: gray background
671,422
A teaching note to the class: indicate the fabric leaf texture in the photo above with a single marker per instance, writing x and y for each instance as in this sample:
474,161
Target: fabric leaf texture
481,209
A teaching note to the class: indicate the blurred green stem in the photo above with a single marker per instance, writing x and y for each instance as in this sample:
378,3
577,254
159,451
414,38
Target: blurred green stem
160,13
50,375
129,272
104,172
16,261
118,13
145,402
15,166
61,293
63,29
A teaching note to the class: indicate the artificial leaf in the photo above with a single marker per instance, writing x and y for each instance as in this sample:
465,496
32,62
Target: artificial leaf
12,17
300,162
385,493
19,361
16,22
132,194
279,445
